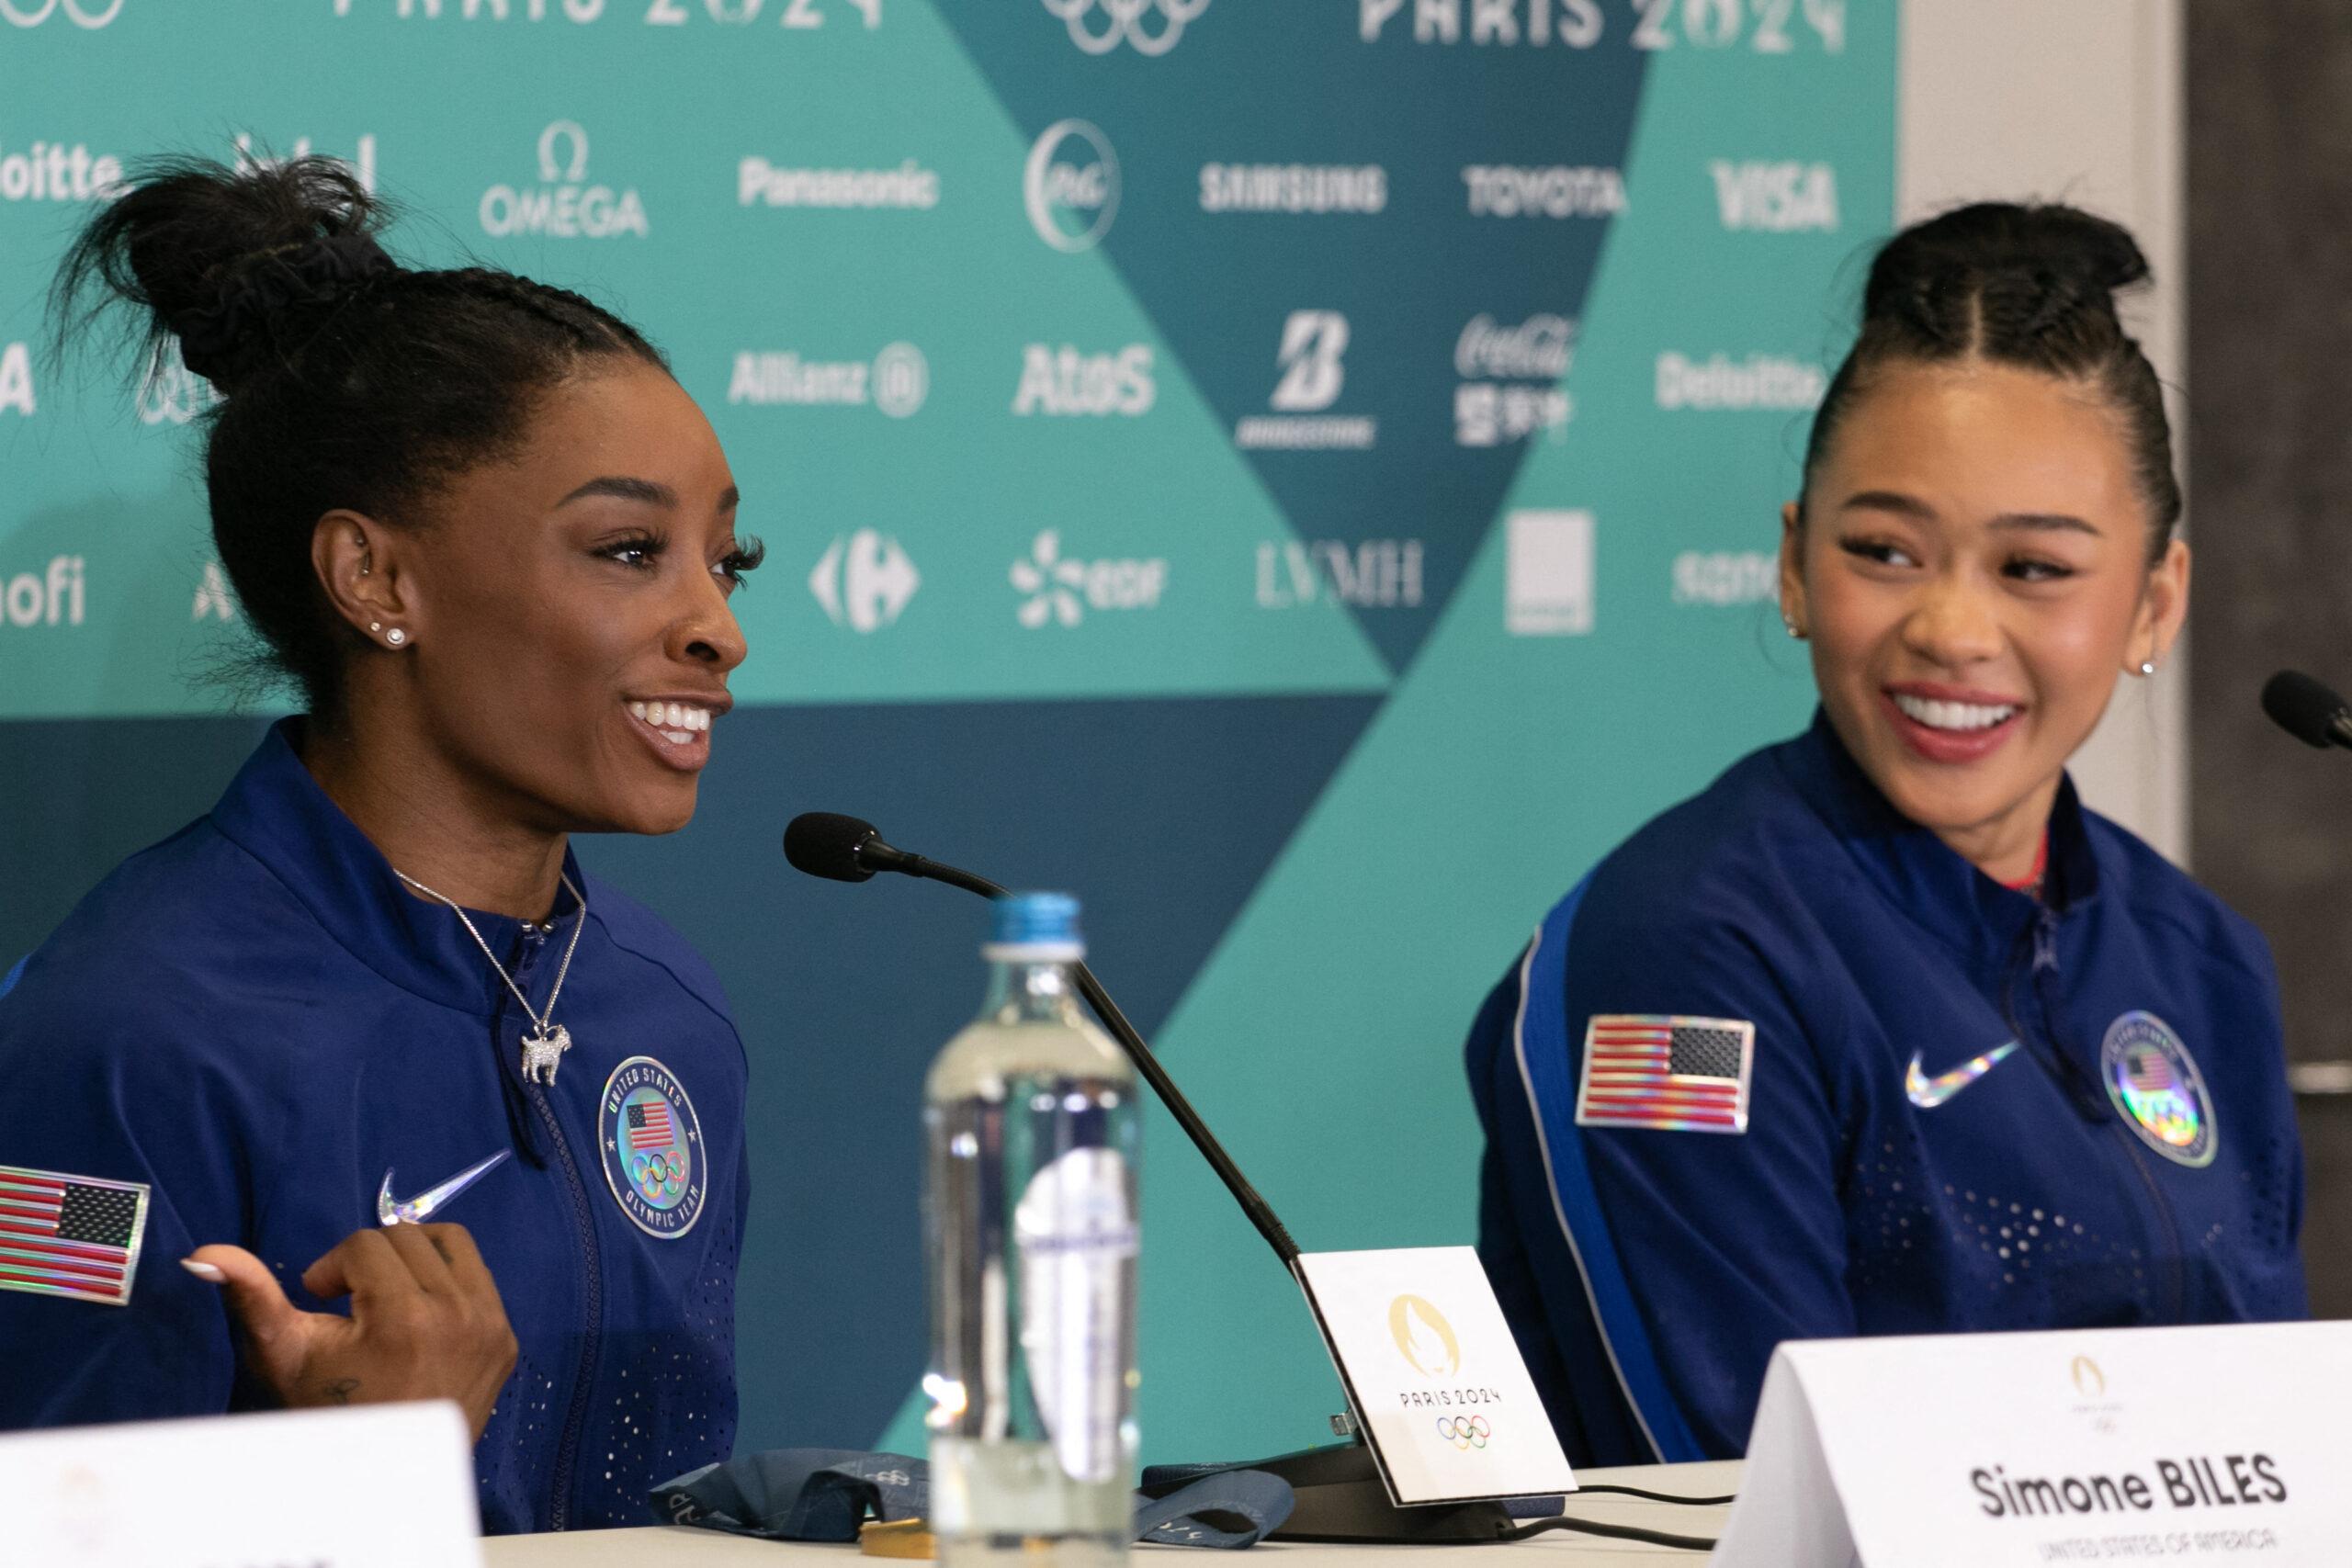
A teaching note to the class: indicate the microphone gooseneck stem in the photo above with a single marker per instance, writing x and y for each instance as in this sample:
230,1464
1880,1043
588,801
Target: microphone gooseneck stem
1260,1213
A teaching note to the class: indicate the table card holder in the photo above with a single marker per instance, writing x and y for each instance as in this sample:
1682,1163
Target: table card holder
2196,1446
373,1487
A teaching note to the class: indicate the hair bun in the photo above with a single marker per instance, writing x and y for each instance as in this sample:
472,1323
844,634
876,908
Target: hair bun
239,264
2070,259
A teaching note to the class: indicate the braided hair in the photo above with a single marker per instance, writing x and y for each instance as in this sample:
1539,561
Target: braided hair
347,380
2027,286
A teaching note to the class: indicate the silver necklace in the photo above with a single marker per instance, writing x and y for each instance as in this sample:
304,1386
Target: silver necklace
543,1048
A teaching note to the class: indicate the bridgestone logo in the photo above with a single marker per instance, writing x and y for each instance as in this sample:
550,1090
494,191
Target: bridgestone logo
1316,435
1292,188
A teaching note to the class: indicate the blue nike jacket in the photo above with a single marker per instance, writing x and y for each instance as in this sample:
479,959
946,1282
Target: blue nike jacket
248,1031
1786,1067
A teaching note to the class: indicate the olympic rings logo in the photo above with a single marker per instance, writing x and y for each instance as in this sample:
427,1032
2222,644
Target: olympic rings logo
1123,22
81,13
661,1178
1465,1432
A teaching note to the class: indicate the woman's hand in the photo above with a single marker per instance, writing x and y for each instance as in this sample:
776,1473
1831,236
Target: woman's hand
425,1322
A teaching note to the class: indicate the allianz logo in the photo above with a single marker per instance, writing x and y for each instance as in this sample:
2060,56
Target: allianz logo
1725,578
909,186
51,597
562,205
52,171
897,381
1066,381
1497,190
1369,574
862,582
1775,196
362,161
1294,187
1070,185
17,379
1719,382
1311,362
1058,589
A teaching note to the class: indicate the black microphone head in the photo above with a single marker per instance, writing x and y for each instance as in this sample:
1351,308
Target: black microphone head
825,844
2303,706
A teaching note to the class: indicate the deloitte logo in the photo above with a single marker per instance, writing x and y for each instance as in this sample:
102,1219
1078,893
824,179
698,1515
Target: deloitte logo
1053,589
81,13
864,580
50,171
1070,185
897,382
561,205
1760,381
1150,26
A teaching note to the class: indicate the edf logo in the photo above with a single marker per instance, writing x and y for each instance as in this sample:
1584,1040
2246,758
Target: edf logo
1313,342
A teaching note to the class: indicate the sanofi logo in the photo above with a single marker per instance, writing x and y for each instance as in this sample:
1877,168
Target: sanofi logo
1070,185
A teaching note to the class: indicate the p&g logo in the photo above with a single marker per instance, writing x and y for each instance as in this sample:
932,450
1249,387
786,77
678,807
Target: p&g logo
1070,185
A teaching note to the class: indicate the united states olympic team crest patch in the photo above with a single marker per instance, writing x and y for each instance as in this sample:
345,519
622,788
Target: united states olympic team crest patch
2154,1081
651,1143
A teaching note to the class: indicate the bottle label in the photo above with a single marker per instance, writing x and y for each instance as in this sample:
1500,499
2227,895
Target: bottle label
1075,1226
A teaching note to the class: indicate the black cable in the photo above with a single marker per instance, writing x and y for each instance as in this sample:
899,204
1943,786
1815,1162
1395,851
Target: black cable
1660,1496
1615,1533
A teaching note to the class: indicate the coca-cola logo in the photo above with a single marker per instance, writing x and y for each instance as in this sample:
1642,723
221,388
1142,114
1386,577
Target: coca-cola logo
1539,348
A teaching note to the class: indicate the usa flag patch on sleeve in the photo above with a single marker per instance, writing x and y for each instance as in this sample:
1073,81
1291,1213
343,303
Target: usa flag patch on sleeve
70,1235
1674,1075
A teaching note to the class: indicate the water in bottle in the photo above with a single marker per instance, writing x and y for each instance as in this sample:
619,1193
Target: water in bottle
1033,1132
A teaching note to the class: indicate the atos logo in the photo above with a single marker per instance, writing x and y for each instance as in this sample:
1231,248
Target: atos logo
1776,198
562,206
17,379
1065,381
1070,185
863,581
1313,371
1151,27
81,13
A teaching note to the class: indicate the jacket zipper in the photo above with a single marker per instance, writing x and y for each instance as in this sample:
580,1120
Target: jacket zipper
567,1453
2087,1096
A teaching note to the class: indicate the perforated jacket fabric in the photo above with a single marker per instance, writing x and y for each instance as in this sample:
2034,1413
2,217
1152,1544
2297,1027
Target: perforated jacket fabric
256,1020
1648,1273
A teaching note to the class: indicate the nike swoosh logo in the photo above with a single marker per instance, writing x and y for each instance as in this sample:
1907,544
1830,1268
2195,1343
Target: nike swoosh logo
1927,1093
417,1209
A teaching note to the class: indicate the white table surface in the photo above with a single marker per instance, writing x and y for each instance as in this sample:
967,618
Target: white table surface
659,1546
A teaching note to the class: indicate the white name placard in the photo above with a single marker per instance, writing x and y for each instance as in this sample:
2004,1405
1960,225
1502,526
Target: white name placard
374,1486
1438,1385
2200,1445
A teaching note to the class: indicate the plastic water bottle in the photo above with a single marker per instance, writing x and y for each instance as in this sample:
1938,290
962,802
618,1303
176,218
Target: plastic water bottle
1031,1220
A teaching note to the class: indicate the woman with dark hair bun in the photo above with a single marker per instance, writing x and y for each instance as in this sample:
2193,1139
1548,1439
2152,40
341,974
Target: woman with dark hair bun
367,1029
1885,1033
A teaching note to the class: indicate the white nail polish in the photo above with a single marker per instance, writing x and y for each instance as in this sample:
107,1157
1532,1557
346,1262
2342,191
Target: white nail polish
204,1271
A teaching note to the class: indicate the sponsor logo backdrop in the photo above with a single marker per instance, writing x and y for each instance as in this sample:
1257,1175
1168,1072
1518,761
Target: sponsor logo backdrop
1299,473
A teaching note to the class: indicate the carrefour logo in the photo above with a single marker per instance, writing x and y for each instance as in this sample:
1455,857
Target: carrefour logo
1070,185
81,13
562,205
864,580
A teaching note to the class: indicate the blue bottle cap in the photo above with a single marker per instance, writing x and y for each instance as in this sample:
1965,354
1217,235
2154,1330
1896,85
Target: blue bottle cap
1035,925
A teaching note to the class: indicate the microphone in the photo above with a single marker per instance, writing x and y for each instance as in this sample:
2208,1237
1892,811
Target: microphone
2306,709
849,849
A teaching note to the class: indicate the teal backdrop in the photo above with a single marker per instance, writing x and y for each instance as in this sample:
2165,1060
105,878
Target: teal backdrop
1301,473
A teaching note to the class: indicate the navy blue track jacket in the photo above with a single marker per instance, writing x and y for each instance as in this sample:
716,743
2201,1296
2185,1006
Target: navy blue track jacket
256,1024
1786,1067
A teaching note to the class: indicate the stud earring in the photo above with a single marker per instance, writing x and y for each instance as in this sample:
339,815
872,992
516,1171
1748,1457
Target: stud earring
2147,666
396,637
1795,630
375,626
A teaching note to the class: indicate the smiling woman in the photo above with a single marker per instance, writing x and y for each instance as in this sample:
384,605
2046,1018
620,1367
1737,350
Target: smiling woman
481,527
1885,1032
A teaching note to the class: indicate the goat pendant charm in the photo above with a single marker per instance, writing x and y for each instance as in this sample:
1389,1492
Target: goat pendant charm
543,1052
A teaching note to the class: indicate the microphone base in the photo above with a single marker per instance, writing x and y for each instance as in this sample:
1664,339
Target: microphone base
1340,1497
